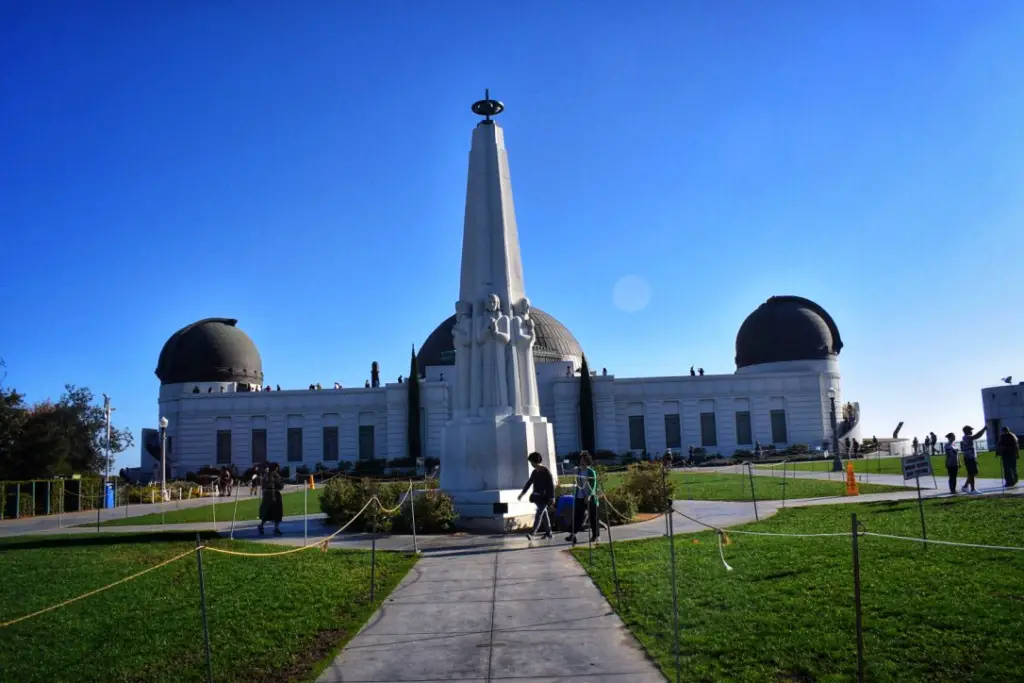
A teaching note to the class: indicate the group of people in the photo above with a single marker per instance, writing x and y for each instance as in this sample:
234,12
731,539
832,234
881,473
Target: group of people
583,500
1007,449
930,443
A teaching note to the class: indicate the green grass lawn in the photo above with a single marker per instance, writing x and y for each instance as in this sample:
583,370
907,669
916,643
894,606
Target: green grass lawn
786,611
270,619
736,487
248,509
988,466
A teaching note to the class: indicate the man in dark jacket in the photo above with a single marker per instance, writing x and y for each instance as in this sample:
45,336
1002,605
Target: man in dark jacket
543,496
272,505
1008,449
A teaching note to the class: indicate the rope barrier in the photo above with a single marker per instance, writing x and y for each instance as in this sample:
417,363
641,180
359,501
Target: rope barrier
405,496
322,543
98,590
952,543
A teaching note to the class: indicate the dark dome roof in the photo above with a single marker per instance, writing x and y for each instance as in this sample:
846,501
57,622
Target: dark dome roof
211,350
787,328
554,342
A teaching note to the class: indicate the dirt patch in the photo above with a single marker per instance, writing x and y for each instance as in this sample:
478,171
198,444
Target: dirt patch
646,516
298,669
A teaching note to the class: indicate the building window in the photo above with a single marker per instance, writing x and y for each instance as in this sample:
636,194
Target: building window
779,427
330,443
366,442
295,444
708,435
223,446
259,445
673,434
637,436
744,435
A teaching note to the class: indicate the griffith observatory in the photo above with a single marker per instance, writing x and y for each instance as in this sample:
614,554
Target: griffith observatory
499,379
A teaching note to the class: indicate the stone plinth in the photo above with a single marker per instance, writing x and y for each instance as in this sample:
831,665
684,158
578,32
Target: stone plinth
484,467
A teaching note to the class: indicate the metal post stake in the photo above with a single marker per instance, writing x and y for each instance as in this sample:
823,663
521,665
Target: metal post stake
234,512
920,506
305,508
202,606
373,559
664,487
214,506
856,600
412,511
675,597
753,496
784,483
611,550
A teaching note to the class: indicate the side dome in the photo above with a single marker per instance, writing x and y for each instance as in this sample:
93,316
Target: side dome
554,343
787,328
210,350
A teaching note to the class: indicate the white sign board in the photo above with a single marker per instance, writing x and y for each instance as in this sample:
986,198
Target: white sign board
915,466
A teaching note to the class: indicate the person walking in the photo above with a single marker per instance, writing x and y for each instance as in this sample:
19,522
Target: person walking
952,460
272,505
543,496
585,501
1008,448
935,441
970,456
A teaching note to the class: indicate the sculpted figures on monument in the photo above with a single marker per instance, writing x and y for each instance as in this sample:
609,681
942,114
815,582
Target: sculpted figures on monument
492,337
523,338
462,336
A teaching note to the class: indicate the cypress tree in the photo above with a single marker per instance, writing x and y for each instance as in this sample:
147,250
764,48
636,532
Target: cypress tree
413,404
586,409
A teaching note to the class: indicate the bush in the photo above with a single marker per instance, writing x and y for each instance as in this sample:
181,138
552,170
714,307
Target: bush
743,453
622,506
431,463
302,471
647,484
342,498
628,458
369,468
435,513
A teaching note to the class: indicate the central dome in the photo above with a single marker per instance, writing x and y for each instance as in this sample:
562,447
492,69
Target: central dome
787,328
210,350
554,343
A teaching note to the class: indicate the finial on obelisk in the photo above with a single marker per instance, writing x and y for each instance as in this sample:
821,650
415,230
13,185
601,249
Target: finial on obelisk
487,107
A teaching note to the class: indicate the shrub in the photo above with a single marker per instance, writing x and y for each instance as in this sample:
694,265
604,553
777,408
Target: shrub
622,506
628,458
342,498
402,462
435,513
367,468
648,485
742,453
431,463
302,470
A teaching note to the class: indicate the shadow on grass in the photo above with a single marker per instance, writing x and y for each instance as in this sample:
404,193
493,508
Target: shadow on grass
102,540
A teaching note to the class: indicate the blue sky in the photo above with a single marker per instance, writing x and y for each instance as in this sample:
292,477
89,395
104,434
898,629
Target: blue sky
301,167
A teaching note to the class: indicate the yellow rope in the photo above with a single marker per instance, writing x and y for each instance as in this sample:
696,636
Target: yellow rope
316,544
98,590
397,507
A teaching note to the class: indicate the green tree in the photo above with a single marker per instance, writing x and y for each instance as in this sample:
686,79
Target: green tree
586,409
413,404
55,439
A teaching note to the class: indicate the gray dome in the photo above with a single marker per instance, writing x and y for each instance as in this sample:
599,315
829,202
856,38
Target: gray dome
787,328
554,342
210,350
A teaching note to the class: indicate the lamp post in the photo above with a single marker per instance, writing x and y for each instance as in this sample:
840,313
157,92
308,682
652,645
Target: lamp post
837,464
163,455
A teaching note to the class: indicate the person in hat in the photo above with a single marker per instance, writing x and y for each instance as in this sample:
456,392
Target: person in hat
1008,449
543,496
970,456
952,460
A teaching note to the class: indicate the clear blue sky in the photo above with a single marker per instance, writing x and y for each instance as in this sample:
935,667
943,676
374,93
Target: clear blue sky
302,167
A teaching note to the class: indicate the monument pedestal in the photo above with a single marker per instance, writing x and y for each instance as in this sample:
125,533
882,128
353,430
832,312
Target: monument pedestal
484,467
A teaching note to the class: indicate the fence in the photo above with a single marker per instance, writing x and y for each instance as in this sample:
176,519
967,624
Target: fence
372,507
858,535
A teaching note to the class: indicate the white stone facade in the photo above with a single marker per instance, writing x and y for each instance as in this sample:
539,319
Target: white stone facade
1004,407
800,393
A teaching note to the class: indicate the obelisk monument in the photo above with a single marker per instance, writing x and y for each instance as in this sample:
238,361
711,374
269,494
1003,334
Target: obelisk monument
496,419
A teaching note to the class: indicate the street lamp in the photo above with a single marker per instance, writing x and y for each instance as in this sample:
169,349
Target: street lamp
835,430
163,455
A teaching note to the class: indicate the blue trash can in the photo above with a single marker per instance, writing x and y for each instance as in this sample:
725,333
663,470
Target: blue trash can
108,499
